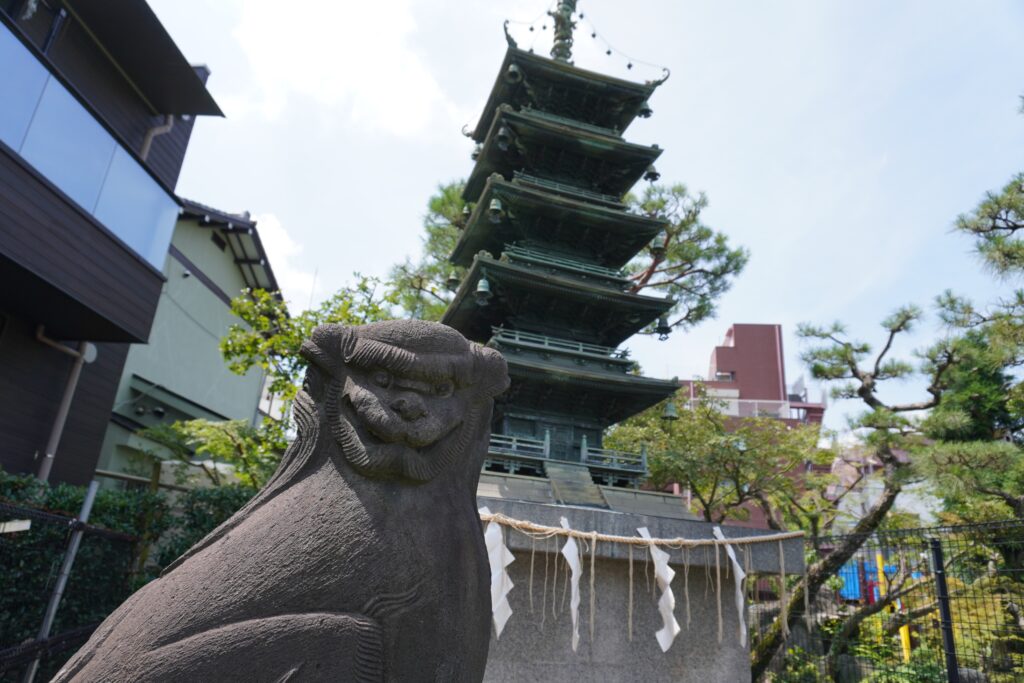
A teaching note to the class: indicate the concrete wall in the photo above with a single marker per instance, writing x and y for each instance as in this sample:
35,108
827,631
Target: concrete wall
536,646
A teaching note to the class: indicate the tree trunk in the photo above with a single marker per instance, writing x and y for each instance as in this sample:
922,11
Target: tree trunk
819,572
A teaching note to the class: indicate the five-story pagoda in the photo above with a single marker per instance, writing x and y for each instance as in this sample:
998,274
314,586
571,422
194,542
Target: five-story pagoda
544,246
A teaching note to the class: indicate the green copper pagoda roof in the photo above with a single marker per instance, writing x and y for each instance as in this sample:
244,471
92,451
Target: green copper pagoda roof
532,299
530,81
605,236
590,392
558,151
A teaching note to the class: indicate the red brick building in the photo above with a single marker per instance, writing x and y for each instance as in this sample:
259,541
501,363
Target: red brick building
747,376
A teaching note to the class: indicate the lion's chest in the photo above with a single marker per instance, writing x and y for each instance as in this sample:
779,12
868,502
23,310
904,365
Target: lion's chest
337,545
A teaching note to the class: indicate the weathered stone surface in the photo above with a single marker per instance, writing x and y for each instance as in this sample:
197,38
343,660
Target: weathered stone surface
363,558
536,646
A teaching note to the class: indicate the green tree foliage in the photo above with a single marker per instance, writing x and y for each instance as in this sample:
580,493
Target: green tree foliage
995,224
251,452
976,404
728,464
269,338
694,264
420,287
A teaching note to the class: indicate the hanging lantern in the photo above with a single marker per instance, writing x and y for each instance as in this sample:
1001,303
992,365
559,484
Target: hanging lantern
513,74
651,173
645,110
475,154
452,282
658,245
670,413
466,213
483,292
663,329
495,212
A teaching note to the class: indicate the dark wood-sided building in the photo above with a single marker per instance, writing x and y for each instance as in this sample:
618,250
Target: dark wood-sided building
97,109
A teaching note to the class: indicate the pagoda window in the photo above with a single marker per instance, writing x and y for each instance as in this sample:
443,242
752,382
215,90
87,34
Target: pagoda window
518,426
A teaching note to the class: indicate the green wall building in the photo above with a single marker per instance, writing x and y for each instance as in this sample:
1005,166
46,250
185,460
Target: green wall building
180,374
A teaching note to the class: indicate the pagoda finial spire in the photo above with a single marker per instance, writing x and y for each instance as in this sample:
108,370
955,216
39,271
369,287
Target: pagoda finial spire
561,50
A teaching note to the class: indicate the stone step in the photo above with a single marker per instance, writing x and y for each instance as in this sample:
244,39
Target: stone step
573,485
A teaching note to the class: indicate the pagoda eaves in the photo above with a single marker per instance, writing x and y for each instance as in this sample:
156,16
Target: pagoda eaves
548,300
558,151
605,236
529,81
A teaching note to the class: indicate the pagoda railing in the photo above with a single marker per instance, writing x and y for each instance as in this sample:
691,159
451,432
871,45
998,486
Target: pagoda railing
566,121
547,258
612,459
520,446
579,192
532,453
539,341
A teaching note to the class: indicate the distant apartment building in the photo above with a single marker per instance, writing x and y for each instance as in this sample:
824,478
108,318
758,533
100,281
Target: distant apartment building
97,105
747,378
180,374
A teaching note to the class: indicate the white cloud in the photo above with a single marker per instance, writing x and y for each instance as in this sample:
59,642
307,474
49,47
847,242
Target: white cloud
283,252
353,58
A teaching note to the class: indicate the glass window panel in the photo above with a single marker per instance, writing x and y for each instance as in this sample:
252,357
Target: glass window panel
136,209
68,146
22,78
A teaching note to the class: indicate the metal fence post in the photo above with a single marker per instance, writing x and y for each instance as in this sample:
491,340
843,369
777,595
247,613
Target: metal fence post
62,577
945,615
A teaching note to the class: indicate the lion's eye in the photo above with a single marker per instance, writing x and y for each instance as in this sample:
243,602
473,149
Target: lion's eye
444,388
382,378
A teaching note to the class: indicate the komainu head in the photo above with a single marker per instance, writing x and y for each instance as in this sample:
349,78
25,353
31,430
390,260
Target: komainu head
403,398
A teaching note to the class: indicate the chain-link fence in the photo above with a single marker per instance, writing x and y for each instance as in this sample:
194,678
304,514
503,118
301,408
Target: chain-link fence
914,606
30,560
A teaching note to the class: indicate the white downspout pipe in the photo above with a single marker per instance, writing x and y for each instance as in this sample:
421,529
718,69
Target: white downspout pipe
86,353
147,142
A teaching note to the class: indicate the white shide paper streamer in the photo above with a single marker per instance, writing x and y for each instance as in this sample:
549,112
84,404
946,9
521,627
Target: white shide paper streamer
667,602
499,557
571,553
740,575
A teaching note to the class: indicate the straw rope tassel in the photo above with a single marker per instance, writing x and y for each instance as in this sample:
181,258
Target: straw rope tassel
593,596
544,597
554,586
718,594
707,574
631,594
533,556
686,585
647,576
783,600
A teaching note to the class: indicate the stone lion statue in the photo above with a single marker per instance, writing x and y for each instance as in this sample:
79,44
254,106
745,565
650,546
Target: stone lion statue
362,559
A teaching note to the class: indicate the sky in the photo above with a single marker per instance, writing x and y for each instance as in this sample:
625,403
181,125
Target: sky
837,141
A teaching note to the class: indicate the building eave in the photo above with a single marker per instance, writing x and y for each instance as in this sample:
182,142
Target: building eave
243,238
130,33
